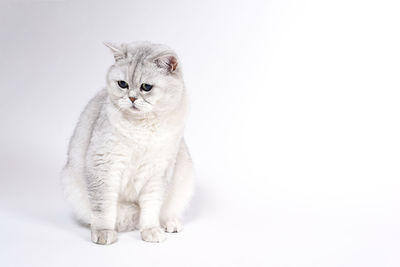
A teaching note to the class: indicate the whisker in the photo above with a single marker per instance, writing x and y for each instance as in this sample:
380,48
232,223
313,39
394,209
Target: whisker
146,101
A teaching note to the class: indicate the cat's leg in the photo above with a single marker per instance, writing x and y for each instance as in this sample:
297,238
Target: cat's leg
150,201
105,163
103,184
103,196
179,192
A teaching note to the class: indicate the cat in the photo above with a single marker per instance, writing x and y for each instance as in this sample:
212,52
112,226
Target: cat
128,165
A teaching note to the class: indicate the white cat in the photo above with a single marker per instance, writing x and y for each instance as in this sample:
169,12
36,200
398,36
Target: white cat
128,165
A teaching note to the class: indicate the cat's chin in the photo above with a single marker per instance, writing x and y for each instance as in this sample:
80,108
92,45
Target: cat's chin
136,111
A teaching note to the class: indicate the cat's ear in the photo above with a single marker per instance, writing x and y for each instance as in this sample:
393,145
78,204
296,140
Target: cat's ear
167,62
117,50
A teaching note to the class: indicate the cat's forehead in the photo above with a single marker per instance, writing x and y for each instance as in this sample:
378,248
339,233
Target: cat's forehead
138,64
138,52
137,55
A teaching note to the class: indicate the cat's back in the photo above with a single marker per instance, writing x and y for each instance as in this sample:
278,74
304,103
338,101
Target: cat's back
84,128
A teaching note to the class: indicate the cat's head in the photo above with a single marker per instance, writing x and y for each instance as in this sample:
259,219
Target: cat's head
145,78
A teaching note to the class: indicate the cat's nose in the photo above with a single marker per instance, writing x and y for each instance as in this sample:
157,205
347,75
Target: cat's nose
133,99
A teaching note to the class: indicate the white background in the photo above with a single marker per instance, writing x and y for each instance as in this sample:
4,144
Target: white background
294,129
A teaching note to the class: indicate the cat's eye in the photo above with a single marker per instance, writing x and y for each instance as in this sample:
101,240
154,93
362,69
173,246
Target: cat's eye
146,87
123,84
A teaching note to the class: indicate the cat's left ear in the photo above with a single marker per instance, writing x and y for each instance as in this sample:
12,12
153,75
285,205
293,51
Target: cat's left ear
167,62
117,50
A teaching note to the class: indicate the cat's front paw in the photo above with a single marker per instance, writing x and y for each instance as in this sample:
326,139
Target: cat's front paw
153,234
172,226
104,237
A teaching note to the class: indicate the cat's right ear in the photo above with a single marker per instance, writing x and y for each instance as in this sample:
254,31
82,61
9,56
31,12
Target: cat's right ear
117,50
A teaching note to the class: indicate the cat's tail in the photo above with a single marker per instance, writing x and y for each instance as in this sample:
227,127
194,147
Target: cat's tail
74,187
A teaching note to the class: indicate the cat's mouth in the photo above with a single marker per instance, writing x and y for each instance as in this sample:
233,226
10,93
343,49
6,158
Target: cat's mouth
134,107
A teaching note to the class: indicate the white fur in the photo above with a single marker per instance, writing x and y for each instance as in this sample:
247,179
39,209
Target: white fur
128,166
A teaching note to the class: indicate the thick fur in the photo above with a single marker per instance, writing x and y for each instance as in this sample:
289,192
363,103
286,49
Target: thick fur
128,165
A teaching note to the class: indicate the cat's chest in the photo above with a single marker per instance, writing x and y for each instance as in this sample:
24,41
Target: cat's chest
150,153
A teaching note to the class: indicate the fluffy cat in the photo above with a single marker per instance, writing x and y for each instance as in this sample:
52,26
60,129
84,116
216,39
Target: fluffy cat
128,165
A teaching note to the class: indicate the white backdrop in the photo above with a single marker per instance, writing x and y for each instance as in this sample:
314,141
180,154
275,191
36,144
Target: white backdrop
294,129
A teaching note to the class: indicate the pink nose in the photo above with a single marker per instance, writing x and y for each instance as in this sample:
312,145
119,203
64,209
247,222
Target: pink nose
133,99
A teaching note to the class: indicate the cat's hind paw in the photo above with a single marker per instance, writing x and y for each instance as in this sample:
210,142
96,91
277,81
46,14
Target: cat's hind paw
153,234
172,226
104,237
